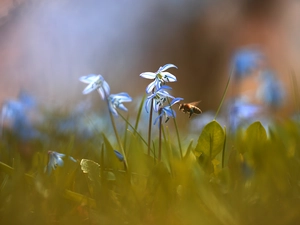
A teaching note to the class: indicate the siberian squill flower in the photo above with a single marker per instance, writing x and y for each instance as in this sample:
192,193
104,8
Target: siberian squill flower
242,112
271,90
54,160
16,115
245,61
167,111
116,101
160,77
159,97
95,82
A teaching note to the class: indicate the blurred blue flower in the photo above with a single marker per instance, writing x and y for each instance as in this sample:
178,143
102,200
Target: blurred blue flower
95,82
159,96
15,114
240,112
119,155
160,77
245,61
167,111
115,101
54,160
271,90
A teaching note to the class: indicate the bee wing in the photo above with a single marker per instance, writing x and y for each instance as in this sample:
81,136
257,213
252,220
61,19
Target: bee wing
195,103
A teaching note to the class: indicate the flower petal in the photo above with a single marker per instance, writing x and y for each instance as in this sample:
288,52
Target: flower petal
168,77
91,87
148,75
106,88
151,86
89,78
167,66
101,92
121,106
155,121
176,100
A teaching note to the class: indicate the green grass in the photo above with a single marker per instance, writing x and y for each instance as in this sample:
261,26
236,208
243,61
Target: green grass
252,178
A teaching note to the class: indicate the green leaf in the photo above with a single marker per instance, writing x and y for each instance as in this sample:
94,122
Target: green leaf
188,151
256,133
211,140
91,168
110,159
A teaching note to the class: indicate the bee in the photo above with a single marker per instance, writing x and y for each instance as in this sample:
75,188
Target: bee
190,108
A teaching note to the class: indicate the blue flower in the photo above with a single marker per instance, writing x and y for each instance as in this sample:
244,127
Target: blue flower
271,90
54,160
167,111
115,101
16,114
95,82
245,61
159,96
160,77
241,112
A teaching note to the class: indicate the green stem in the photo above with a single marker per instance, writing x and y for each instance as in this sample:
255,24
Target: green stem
150,127
159,137
224,147
224,94
117,135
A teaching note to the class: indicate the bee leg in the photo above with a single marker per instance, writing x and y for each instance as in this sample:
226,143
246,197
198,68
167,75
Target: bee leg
191,113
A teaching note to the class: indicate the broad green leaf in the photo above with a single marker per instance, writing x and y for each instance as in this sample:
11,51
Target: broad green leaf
91,168
211,140
256,133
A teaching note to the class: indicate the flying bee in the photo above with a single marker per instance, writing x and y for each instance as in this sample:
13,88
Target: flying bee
190,108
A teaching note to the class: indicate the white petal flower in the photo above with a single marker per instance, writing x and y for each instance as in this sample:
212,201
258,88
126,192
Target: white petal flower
115,101
160,77
95,82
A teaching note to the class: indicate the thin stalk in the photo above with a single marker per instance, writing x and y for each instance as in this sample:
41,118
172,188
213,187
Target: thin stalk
159,137
150,126
117,135
224,94
139,114
177,133
224,148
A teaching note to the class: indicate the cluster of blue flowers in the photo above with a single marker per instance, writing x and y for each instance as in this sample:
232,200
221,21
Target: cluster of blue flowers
158,95
270,91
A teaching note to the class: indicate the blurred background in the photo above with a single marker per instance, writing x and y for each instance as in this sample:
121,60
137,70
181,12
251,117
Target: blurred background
45,46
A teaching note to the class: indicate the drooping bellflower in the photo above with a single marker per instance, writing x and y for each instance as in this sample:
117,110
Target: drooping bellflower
160,77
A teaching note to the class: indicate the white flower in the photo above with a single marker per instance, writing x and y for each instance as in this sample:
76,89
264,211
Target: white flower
115,101
95,82
159,97
160,77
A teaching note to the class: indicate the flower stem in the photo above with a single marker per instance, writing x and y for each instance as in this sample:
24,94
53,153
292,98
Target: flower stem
150,126
177,133
117,135
224,94
159,137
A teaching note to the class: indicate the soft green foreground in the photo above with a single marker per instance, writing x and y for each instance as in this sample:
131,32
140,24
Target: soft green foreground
251,178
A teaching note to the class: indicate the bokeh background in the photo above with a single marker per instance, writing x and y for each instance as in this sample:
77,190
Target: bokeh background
45,46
